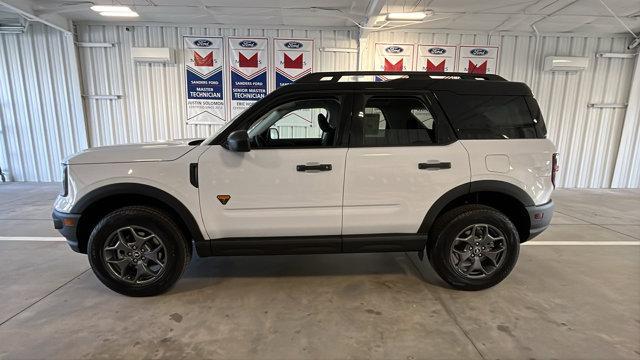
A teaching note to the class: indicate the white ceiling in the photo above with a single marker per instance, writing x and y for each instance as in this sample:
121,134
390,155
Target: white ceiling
584,16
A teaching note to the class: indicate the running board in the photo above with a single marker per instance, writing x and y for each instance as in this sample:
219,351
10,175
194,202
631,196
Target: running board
332,244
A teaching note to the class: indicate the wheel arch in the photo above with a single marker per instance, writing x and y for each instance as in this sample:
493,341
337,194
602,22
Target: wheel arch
503,196
99,202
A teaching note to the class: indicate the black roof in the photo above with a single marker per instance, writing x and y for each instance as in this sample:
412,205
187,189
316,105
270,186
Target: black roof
461,83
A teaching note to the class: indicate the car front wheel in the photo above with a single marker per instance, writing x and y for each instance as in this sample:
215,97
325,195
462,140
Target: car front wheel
476,247
138,251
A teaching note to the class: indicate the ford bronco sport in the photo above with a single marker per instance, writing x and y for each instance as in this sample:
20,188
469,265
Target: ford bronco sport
457,165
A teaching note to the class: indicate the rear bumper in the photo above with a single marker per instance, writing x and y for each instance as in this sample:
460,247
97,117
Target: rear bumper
66,224
540,217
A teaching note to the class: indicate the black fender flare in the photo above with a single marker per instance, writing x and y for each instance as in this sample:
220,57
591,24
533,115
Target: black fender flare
146,190
497,186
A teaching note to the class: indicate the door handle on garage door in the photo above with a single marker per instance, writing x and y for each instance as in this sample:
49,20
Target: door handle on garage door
314,167
434,166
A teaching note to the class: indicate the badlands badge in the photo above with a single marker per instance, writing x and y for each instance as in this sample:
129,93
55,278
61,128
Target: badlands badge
224,199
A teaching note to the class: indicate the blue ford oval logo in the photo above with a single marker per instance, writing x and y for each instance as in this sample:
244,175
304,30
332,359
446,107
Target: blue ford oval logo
394,49
437,51
479,52
203,43
248,43
293,45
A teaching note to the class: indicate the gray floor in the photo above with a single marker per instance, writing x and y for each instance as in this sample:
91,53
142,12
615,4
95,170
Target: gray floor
580,301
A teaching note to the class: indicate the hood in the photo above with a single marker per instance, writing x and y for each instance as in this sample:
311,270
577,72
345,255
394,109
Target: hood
155,151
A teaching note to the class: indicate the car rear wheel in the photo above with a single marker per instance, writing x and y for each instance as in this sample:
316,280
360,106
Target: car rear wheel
138,251
475,247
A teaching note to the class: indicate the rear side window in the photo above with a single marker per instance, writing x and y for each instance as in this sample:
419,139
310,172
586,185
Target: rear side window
489,116
393,121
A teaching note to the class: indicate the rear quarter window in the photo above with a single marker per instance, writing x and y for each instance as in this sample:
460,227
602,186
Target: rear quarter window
491,116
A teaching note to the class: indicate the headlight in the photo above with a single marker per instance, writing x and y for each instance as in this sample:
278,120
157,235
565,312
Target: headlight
65,180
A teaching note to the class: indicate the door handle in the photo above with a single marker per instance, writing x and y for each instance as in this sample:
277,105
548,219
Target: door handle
318,167
434,166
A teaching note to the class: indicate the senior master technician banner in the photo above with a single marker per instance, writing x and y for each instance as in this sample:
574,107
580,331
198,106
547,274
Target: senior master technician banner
248,72
204,64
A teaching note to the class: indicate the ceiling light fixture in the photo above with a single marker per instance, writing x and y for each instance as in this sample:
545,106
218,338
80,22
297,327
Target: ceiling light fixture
408,16
114,10
110,8
120,14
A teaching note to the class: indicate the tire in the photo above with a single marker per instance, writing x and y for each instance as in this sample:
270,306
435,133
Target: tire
464,256
116,263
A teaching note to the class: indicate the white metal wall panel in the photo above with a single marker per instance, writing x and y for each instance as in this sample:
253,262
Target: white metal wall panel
587,139
627,173
152,103
41,118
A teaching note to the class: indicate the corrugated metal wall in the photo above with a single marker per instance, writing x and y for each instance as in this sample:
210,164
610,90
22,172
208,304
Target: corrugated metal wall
627,173
41,118
587,139
152,103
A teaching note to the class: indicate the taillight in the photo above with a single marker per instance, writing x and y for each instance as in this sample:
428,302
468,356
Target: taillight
65,181
554,168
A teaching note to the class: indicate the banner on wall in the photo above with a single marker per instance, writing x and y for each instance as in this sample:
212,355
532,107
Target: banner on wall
293,59
437,58
393,57
204,63
248,63
478,59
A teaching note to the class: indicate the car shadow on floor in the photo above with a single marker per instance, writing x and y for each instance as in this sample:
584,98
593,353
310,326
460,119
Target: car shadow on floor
205,272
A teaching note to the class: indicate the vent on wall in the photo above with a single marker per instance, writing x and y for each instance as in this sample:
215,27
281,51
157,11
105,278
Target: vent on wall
161,55
565,63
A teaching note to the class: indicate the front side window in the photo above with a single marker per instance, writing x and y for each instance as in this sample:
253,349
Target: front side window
301,123
393,121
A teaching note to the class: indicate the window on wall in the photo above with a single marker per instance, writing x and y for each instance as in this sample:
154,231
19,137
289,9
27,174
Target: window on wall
393,121
301,123
490,116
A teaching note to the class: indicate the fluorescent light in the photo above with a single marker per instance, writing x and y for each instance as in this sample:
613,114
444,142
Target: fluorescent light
110,8
408,16
118,13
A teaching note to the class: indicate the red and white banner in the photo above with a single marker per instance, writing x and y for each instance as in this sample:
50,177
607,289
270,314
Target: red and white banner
293,59
248,65
393,57
437,58
478,59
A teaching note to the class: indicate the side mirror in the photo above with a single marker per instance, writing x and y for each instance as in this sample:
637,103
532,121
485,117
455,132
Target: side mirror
274,134
238,141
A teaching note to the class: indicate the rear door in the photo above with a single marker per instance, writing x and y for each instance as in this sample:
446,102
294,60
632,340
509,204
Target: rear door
402,157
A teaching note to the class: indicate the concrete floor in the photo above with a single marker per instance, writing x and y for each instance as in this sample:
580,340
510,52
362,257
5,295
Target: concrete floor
579,301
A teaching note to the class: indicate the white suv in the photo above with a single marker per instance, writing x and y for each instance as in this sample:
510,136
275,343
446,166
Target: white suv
456,164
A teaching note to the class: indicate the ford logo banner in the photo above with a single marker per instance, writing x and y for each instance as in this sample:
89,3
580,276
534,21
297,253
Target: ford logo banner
437,51
479,52
203,43
248,43
293,45
394,49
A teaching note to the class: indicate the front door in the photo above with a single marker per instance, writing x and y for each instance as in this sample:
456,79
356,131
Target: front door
290,183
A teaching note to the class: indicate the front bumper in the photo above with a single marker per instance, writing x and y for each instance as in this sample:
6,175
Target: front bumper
540,218
66,224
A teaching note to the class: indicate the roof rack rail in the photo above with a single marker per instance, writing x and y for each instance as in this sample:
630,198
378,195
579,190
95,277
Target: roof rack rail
414,75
